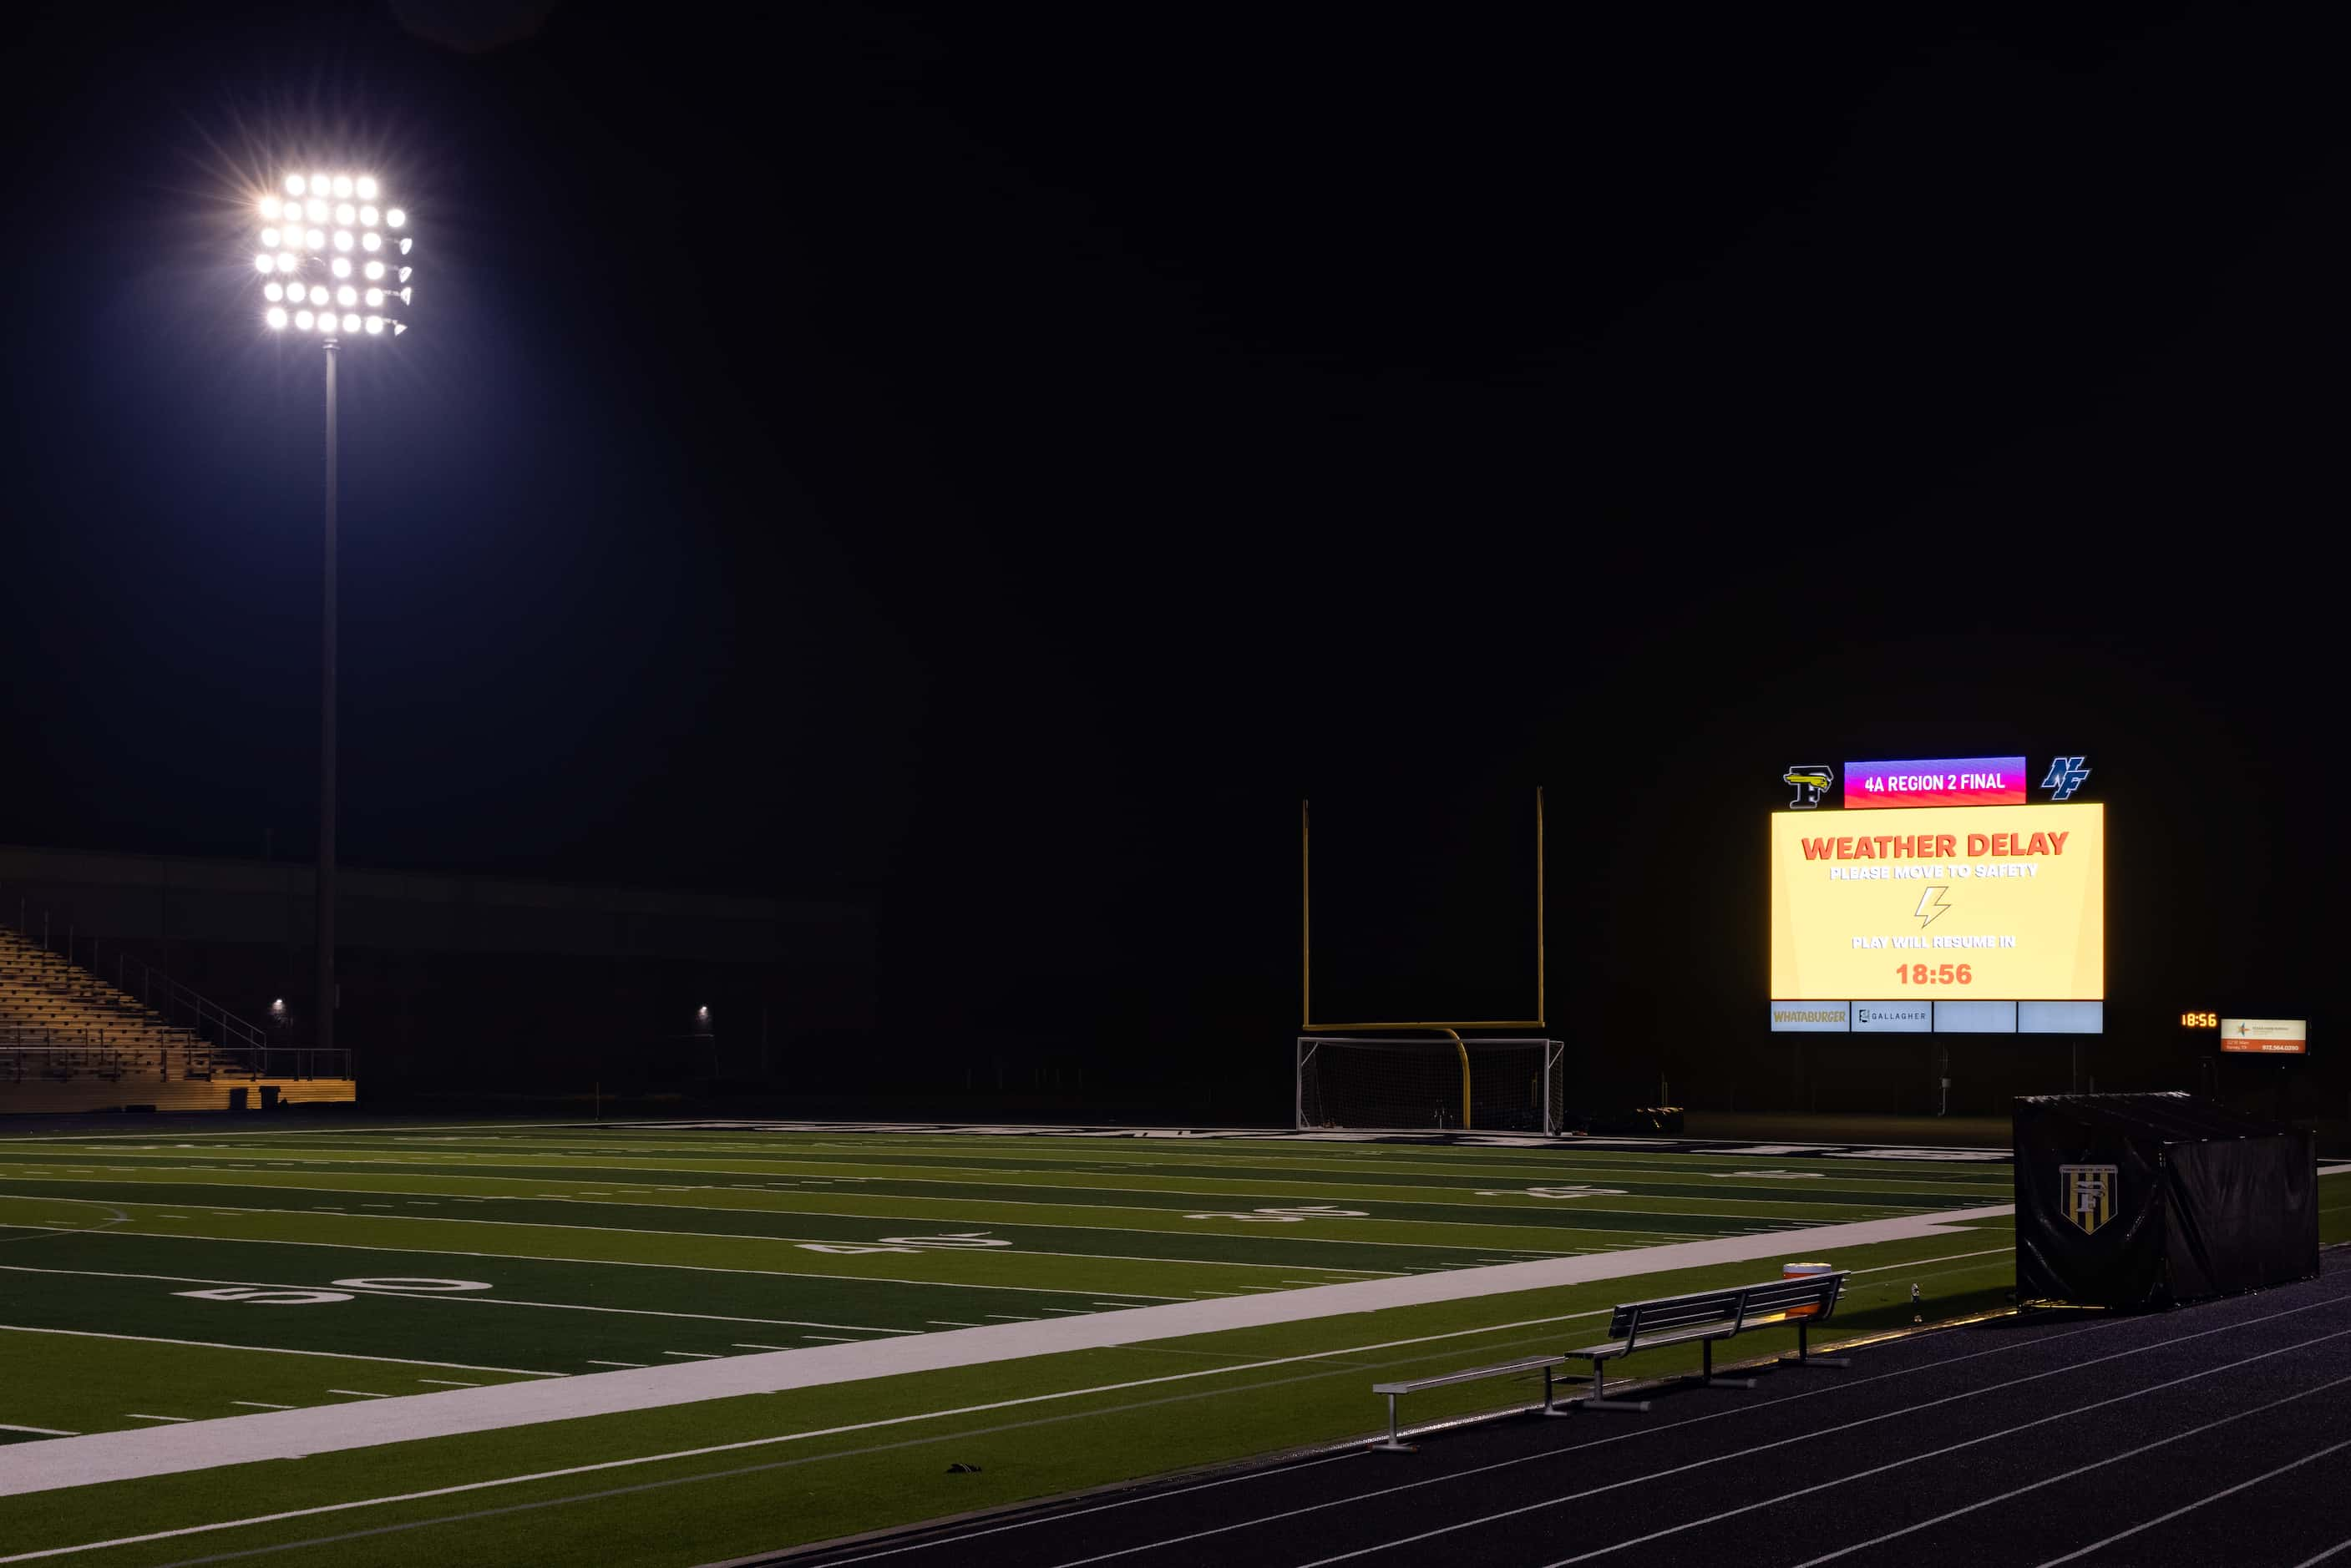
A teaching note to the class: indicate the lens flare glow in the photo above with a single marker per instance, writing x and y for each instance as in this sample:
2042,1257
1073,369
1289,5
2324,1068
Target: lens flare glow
265,262
351,324
294,186
374,298
315,210
340,267
369,215
343,184
275,317
364,187
288,261
342,239
320,186
318,293
371,241
395,219
347,294
374,324
375,269
302,319
269,208
272,292
269,237
314,238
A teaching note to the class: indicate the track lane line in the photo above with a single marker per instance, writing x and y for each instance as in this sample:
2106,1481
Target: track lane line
1823,1432
2190,1507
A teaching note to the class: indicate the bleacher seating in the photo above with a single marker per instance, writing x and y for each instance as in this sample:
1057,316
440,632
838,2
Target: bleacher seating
70,1041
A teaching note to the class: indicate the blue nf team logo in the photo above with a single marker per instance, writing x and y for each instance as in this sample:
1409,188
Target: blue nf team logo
2086,1193
1811,781
2066,774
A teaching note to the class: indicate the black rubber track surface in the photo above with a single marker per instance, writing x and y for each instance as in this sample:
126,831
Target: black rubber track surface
2215,1435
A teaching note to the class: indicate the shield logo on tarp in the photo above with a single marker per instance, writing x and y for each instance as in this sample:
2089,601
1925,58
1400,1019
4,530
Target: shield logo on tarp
2086,1195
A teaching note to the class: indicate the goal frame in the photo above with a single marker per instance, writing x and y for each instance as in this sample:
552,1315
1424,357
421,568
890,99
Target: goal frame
1551,1097
1449,1028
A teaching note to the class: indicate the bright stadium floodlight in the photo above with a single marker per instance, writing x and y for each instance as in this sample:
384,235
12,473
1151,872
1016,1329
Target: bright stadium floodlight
305,268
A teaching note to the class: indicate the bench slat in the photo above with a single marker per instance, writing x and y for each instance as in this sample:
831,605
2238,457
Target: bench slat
1532,1364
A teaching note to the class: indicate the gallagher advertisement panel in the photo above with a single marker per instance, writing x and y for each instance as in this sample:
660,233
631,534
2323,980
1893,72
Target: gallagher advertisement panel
1943,904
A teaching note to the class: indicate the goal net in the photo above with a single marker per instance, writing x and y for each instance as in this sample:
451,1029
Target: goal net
1364,1083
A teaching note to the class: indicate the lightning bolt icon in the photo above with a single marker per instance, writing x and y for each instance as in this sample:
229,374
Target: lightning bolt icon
1931,905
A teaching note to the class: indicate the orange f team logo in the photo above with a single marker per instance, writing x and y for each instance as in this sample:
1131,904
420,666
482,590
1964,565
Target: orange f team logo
2088,1194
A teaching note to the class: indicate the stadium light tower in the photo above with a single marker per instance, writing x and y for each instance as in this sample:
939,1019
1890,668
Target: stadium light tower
333,262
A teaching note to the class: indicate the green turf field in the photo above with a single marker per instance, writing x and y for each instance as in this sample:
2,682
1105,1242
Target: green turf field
178,1278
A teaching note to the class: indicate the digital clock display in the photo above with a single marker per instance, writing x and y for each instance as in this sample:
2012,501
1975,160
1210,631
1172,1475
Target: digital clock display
2200,1021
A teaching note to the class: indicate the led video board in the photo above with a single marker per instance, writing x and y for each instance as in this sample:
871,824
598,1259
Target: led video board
2005,903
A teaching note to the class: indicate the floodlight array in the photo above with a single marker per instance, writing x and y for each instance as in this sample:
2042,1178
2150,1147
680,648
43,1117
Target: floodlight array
314,230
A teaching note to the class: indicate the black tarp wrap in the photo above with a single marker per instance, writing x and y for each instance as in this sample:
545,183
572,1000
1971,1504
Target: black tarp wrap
2169,1198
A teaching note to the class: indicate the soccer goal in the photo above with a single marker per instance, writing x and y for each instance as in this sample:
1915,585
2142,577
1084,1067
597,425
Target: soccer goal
1362,1083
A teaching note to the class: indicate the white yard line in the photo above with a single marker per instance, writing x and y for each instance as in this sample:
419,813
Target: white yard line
273,1350
449,1382
265,1405
135,1416
39,1431
121,1456
361,1394
447,1296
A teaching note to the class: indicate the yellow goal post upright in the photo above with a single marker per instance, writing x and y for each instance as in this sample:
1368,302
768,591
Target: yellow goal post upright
1486,1068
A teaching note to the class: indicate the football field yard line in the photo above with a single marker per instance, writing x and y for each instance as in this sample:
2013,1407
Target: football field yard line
73,1461
447,1296
1549,1220
208,1177
622,1231
1258,1234
278,1350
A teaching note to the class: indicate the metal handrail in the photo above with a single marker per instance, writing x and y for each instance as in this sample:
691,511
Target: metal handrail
136,977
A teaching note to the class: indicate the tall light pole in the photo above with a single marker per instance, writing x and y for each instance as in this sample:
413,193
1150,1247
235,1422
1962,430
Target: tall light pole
328,251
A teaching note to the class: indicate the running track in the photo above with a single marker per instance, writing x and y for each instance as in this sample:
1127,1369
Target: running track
2219,1433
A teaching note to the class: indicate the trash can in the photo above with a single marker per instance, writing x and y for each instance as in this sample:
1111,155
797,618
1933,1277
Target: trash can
238,1098
270,1096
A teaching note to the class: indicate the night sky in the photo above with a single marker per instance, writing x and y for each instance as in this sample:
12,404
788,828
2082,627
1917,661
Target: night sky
988,463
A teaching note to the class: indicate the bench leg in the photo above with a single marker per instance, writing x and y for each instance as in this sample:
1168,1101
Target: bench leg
1705,1378
1804,1357
1551,1406
1598,1400
1394,1445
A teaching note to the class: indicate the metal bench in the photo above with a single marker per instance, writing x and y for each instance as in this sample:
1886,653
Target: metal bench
1395,1445
1806,1300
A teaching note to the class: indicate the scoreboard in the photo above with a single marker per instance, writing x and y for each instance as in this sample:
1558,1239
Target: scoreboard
1940,898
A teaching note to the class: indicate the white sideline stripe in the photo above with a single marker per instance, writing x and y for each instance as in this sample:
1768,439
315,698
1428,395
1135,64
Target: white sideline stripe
102,1457
696,1355
360,1394
885,1219
593,1361
265,1405
43,1431
696,1235
2270,1474
273,1350
948,1197
135,1416
446,1296
444,1382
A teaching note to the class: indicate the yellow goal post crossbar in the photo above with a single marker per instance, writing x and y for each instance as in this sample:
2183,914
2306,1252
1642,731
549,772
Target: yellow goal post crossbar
1450,1028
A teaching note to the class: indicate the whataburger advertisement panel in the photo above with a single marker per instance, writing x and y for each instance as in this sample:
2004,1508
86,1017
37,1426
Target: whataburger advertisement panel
1900,903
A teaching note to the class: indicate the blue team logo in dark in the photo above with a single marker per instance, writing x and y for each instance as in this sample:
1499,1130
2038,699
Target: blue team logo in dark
2066,774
